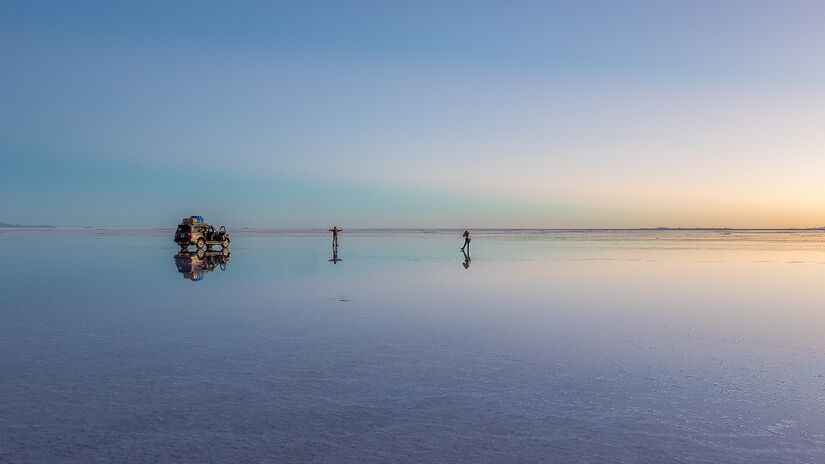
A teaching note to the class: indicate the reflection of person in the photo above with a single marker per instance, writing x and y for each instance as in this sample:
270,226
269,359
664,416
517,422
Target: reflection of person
335,257
467,238
467,259
335,231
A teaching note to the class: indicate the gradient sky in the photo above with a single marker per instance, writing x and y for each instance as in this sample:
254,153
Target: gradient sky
415,114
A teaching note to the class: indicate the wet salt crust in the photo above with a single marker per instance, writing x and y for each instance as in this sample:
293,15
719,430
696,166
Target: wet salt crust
655,346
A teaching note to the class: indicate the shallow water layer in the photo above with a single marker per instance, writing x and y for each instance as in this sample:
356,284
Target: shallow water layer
544,346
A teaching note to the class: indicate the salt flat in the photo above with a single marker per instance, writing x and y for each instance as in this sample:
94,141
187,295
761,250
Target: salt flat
585,346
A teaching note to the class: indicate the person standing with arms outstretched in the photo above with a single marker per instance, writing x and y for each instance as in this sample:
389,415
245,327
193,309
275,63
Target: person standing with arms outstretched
335,231
467,238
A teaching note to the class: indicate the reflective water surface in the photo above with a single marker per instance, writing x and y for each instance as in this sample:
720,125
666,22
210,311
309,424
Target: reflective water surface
537,347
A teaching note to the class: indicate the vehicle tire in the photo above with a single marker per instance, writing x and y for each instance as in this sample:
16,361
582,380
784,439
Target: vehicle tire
201,244
225,244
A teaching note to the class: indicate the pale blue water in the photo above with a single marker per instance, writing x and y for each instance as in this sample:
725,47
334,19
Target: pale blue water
550,347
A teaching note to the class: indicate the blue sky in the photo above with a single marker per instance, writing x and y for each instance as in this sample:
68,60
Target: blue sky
417,114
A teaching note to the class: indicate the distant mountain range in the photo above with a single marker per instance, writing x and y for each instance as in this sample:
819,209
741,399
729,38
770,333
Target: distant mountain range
18,226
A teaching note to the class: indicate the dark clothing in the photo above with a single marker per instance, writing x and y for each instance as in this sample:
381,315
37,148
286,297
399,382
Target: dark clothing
335,231
467,238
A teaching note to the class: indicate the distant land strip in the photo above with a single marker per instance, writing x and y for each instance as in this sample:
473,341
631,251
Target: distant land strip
313,230
19,226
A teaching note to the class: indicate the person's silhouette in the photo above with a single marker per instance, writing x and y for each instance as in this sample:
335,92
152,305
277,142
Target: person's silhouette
335,231
467,259
467,237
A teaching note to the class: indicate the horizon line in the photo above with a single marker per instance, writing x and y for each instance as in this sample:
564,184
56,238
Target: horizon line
425,229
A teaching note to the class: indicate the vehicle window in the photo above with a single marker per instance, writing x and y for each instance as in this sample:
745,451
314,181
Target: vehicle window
185,229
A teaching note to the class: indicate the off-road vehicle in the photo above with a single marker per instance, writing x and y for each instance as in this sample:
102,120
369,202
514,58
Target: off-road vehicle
195,231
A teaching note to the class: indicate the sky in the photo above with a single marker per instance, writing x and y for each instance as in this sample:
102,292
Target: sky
547,114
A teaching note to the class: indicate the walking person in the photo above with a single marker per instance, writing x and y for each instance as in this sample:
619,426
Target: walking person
335,231
467,238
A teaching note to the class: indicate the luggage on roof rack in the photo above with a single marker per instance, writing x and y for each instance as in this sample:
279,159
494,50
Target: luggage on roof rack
198,219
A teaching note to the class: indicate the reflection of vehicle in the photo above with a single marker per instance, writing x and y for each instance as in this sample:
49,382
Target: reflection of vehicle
195,231
194,265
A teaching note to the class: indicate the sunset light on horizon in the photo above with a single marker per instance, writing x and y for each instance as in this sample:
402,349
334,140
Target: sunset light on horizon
429,114
452,231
